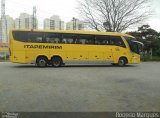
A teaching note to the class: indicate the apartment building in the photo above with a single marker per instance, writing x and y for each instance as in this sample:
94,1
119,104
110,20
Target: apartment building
25,21
7,26
75,24
54,23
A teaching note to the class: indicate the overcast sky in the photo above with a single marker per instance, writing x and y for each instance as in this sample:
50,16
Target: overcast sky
66,9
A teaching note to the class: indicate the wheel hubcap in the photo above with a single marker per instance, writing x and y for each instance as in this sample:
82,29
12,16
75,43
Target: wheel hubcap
56,63
42,62
121,62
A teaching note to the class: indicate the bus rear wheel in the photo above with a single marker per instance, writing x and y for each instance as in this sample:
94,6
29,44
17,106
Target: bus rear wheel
122,62
41,62
56,61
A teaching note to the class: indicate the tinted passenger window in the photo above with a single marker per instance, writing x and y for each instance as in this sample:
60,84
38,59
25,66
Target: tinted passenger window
102,40
86,39
69,38
117,40
36,37
20,36
52,38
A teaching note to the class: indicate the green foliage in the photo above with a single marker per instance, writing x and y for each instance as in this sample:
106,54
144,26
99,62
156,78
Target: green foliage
157,52
150,38
147,57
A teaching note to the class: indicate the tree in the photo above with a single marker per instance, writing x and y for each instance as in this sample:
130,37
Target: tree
150,38
113,15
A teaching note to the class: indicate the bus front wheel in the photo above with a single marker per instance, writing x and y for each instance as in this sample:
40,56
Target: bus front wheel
56,61
41,62
122,62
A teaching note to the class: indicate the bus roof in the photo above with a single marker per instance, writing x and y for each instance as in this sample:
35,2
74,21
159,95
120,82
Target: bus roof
77,32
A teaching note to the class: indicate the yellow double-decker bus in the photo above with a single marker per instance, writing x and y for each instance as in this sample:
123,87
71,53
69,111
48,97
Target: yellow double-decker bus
56,48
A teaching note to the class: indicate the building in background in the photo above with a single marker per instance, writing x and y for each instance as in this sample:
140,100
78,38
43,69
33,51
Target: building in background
46,23
25,21
54,23
75,24
9,24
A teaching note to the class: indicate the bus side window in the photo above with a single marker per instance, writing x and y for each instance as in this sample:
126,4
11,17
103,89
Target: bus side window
117,40
102,40
70,41
86,39
69,38
52,38
35,37
82,41
64,41
20,36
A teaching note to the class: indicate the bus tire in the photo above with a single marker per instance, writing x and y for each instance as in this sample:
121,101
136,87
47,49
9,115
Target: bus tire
42,62
56,61
122,62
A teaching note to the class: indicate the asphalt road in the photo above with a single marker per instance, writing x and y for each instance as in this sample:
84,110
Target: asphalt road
80,88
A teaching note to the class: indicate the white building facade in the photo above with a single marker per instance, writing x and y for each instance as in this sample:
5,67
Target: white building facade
75,24
8,24
25,21
54,23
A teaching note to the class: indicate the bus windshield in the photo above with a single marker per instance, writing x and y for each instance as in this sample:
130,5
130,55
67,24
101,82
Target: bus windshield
135,46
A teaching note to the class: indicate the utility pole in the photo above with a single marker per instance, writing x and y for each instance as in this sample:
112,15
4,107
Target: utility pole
60,25
4,33
19,23
34,22
74,23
